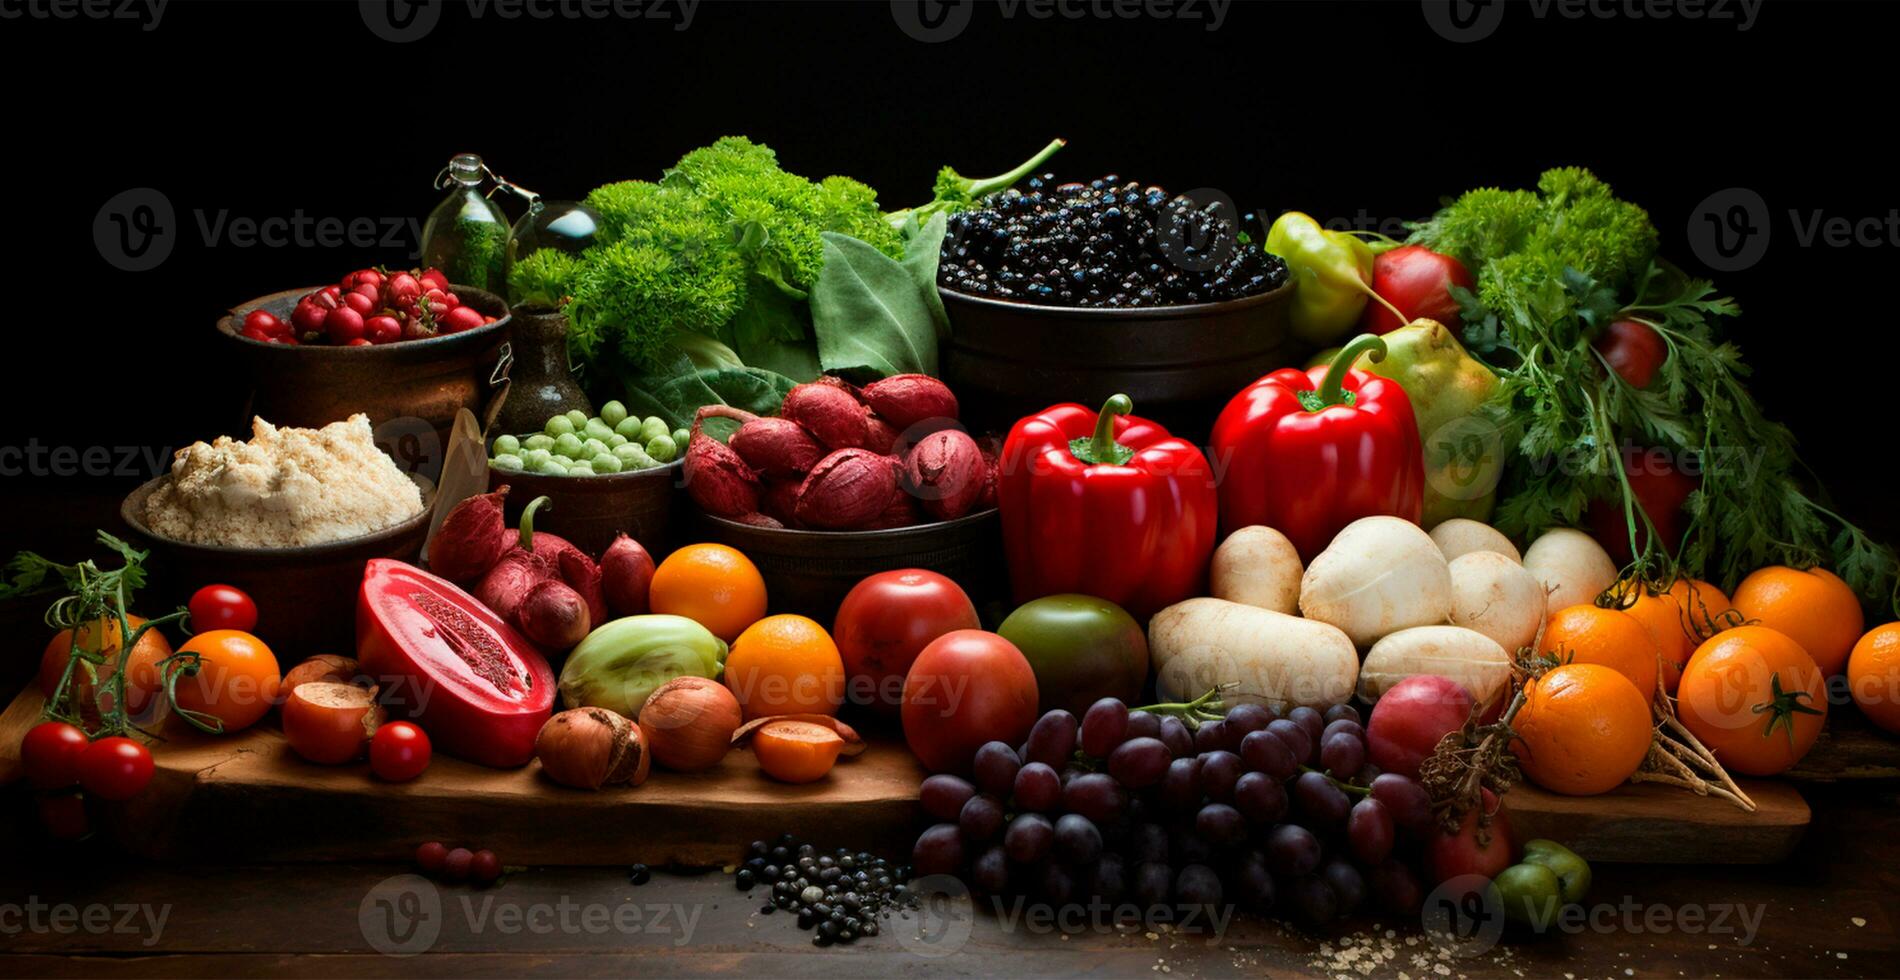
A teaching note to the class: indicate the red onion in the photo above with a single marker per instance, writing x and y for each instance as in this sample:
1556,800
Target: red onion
625,572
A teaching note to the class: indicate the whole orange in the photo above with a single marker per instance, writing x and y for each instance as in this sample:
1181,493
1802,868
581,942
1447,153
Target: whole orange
1755,698
1590,634
1813,607
785,665
233,679
1873,676
713,585
1583,730
141,677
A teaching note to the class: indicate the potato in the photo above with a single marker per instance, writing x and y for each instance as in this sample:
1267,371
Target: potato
1272,658
1257,566
1462,536
1380,575
1498,597
1572,566
1466,656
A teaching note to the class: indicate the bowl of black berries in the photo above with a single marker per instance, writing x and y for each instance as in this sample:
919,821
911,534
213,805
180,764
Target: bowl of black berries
1078,291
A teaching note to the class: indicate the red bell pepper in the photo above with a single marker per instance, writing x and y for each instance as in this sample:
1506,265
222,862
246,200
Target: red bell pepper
1107,505
1308,452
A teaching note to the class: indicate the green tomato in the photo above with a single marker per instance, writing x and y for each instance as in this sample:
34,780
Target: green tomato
652,428
558,426
629,427
1573,872
1530,895
616,440
661,448
613,413
507,463
681,437
592,448
539,440
506,445
568,445
606,463
1081,648
577,418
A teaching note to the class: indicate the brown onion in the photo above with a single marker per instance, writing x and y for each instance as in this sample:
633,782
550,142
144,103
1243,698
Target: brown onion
688,723
588,748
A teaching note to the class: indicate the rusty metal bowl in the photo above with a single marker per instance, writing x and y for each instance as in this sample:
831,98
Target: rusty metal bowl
809,572
590,511
410,390
305,595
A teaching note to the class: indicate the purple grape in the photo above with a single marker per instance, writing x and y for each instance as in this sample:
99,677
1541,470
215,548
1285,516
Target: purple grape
1220,824
1397,887
1153,884
1142,724
1245,719
1343,725
1109,878
1051,740
1038,789
981,818
1187,846
1366,774
1292,850
943,796
1408,803
1077,840
1148,842
1181,786
1342,711
1103,727
1220,769
1175,734
1028,838
1342,754
1308,719
1348,886
1322,805
1369,831
1265,752
1094,795
1260,798
995,767
1139,762
1295,737
1314,899
1212,736
1056,884
1250,882
990,871
1198,885
939,851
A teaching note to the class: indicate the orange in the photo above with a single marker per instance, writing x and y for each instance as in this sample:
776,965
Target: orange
1813,607
1703,607
231,682
1755,698
1660,614
1873,676
141,678
1589,634
785,665
1583,730
711,584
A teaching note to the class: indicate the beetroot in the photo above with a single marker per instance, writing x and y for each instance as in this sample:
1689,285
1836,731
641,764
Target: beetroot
829,412
905,400
846,490
718,480
554,616
945,471
471,539
879,437
780,500
777,447
625,572
534,557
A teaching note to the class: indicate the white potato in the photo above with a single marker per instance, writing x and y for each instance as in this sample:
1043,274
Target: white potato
1462,536
1498,597
1379,575
1572,566
1466,656
1257,566
1271,658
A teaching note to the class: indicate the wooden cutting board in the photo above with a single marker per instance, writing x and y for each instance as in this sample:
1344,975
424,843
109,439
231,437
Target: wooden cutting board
247,797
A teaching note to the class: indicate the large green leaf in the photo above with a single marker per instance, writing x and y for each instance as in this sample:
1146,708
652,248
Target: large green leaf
923,248
773,331
871,314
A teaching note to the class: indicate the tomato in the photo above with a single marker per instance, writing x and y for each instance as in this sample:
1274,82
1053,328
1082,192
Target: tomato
1661,486
885,621
1082,648
64,816
966,687
50,754
222,607
1418,281
399,752
1755,698
1632,349
234,679
141,679
1452,855
330,723
115,768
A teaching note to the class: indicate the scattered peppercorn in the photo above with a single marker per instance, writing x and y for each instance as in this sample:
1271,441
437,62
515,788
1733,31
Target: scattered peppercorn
639,874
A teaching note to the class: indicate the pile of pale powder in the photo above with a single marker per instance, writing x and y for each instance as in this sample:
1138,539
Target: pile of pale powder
284,488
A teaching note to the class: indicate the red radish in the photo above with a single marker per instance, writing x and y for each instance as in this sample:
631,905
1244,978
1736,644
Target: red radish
326,300
308,316
382,328
363,305
1418,281
554,616
461,318
278,338
451,300
626,570
343,325
263,321
402,289
252,333
359,342
433,279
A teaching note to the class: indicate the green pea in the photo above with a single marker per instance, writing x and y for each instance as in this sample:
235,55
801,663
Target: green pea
578,417
616,440
653,426
506,445
581,469
568,445
613,413
634,457
592,448
507,463
559,425
606,463
552,466
681,437
539,440
629,427
596,429
662,449
531,459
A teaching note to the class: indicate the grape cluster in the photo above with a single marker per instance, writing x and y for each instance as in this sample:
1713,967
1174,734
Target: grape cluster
1103,244
1274,814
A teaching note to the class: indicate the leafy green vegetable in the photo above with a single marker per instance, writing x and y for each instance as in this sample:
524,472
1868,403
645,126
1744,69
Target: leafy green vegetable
871,314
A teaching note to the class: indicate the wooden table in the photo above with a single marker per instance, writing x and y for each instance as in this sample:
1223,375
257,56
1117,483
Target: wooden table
1834,910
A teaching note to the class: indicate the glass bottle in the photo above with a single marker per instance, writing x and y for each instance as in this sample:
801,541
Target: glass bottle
466,235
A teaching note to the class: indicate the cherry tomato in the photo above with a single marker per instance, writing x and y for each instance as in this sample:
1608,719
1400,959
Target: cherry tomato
1632,349
429,857
885,620
343,324
64,816
484,867
399,752
50,754
1418,281
115,768
222,607
236,680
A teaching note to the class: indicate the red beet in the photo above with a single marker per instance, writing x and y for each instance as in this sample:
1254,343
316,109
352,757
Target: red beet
471,539
625,572
554,616
777,448
828,412
718,480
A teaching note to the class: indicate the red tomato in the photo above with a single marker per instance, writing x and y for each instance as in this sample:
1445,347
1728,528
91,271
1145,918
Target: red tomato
965,688
222,607
50,754
115,768
1632,349
1452,855
399,752
1418,281
64,816
885,621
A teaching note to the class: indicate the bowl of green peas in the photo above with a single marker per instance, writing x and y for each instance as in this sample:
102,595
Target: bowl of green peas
603,475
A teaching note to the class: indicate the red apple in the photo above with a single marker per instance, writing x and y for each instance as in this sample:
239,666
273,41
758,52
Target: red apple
1451,855
1409,719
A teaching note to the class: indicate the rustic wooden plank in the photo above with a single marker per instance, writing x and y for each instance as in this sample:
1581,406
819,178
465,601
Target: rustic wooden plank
1655,824
1850,748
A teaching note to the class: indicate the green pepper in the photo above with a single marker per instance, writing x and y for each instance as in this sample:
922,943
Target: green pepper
1332,271
1081,648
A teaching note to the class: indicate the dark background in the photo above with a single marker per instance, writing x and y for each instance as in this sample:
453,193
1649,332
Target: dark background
1339,109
